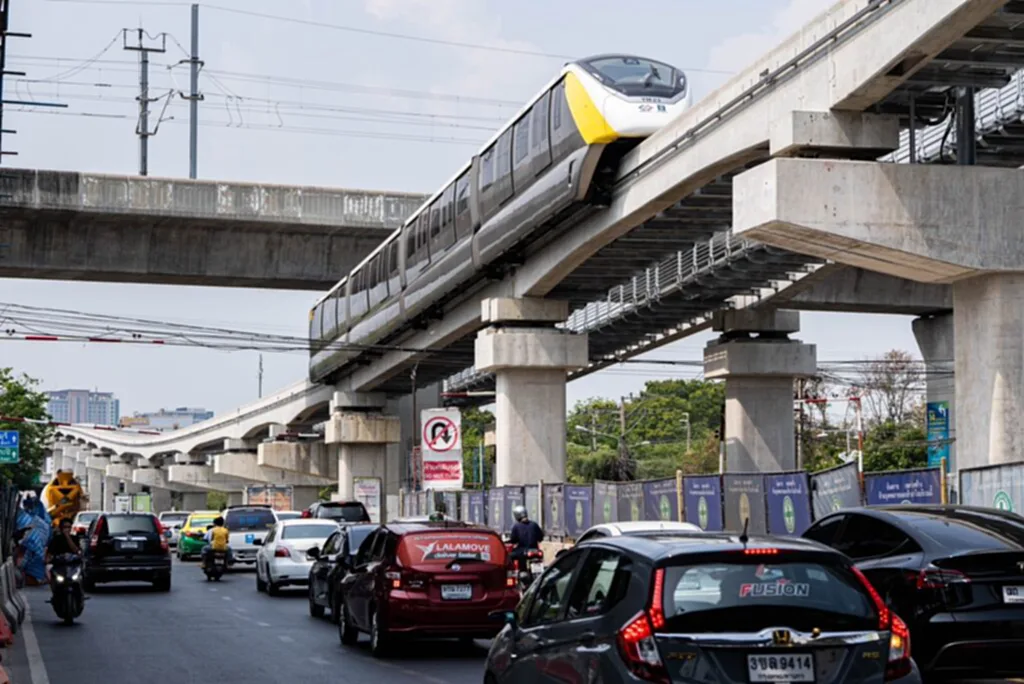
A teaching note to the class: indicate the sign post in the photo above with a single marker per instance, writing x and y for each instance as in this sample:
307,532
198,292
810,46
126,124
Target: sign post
367,491
10,444
441,444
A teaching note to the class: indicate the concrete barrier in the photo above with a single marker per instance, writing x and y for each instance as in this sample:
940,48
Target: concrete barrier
16,595
7,605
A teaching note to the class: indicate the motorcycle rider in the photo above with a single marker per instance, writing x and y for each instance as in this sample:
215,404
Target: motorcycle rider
61,544
216,540
526,534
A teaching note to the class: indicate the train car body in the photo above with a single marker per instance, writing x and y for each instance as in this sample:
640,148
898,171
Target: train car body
63,496
554,160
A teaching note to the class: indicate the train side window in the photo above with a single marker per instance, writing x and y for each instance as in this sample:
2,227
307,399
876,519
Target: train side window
557,100
341,306
423,237
315,329
435,220
463,219
487,169
540,138
503,170
446,238
409,233
330,316
357,301
522,135
394,263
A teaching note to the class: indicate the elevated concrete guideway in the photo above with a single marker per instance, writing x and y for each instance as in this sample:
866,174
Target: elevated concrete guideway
67,225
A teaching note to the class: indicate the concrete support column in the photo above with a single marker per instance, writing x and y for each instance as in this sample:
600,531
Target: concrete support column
303,497
160,499
935,336
989,369
362,433
111,486
530,359
759,372
236,498
193,501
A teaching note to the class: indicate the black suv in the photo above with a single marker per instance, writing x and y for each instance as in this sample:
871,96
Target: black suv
127,547
702,607
339,511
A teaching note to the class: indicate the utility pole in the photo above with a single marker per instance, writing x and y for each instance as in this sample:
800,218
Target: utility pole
686,422
623,454
193,98
593,431
142,128
260,376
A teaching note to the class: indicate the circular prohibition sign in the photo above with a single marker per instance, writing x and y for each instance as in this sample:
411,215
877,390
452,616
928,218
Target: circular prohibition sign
440,434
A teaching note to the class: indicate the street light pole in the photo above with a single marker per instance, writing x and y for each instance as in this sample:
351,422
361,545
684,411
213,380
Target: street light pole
686,422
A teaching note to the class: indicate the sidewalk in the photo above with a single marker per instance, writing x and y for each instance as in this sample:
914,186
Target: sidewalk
16,657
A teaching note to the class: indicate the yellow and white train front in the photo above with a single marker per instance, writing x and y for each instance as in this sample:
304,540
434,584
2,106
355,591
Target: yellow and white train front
623,96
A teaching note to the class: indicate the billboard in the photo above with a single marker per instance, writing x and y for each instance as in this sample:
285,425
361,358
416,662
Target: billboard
904,487
660,500
579,504
835,489
938,433
279,497
630,501
606,503
788,502
999,487
441,448
702,500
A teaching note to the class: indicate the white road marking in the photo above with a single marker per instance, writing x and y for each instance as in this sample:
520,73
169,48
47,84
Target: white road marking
263,624
285,638
36,666
227,598
319,661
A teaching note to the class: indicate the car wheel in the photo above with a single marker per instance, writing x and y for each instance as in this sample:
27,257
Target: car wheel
347,632
163,583
273,588
379,638
261,586
315,609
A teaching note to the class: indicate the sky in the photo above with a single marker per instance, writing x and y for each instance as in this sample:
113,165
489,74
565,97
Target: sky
305,101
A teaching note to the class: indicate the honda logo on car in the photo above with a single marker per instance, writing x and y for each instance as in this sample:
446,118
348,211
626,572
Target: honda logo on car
479,547
768,589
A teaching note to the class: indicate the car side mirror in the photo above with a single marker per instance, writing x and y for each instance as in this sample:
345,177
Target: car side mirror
560,553
313,553
257,542
506,616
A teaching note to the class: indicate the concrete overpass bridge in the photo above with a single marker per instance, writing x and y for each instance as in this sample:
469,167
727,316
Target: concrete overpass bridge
66,225
852,88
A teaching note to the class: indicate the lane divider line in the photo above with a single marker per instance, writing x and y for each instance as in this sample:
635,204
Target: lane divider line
36,666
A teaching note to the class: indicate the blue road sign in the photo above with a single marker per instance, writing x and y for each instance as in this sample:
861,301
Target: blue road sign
9,446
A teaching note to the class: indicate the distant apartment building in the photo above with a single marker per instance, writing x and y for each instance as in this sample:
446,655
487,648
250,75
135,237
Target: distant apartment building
167,419
83,406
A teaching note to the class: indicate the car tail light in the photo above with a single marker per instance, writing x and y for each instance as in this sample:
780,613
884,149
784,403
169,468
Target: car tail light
640,651
884,619
405,579
160,535
931,578
899,650
281,552
657,610
760,552
306,514
95,540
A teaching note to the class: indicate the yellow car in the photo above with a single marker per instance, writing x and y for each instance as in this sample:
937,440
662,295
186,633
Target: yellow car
193,533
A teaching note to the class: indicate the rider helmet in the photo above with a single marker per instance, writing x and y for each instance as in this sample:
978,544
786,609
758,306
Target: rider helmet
519,512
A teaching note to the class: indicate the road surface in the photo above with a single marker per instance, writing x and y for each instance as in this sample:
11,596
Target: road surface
220,632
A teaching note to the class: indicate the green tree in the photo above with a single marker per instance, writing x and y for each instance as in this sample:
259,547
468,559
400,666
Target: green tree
895,446
475,424
216,501
19,398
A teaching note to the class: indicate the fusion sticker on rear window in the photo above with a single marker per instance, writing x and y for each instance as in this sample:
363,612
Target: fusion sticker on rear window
771,589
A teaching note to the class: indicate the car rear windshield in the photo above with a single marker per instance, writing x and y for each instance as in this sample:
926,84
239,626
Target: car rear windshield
125,524
348,512
172,518
201,523
288,515
87,517
249,519
308,531
442,547
719,596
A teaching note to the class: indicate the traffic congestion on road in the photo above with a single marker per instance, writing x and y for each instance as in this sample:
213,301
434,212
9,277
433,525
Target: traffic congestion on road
324,594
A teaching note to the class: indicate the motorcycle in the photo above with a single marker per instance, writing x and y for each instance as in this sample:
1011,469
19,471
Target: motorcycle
215,565
67,597
529,566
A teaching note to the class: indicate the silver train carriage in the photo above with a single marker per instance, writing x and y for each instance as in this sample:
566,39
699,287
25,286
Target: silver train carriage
552,159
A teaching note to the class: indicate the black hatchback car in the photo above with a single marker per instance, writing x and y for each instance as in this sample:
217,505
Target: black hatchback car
127,547
330,565
954,573
701,608
342,512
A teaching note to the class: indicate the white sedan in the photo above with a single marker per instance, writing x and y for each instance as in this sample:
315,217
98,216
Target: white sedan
281,559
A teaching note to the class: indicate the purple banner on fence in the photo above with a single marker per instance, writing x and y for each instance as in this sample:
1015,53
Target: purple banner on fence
702,499
477,508
606,502
513,498
495,508
906,487
660,500
579,503
554,510
788,502
630,503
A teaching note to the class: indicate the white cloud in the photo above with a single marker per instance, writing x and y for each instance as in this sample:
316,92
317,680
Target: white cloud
738,52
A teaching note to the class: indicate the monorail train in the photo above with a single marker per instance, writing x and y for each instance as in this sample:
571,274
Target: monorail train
556,157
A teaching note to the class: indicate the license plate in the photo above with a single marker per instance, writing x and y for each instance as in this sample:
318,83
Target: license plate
456,592
536,567
129,545
787,667
1013,594
249,538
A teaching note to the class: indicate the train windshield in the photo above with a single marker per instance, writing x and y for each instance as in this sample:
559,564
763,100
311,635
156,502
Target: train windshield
637,77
